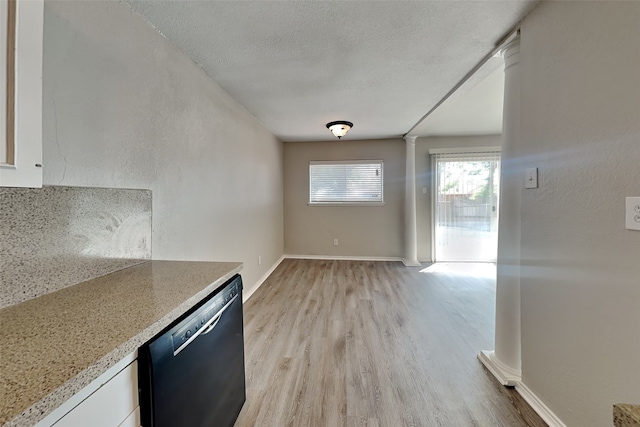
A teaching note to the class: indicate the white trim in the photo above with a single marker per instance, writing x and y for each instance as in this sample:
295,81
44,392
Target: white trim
434,197
344,257
266,275
411,263
346,203
503,373
538,405
410,205
262,279
345,162
27,170
464,150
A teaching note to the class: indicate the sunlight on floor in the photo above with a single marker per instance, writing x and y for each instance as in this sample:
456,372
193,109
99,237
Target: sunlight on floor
476,269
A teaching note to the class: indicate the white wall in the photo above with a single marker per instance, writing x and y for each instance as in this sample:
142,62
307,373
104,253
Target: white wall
424,179
580,125
368,231
124,108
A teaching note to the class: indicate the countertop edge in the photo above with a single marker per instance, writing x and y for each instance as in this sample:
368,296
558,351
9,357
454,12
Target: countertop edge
45,406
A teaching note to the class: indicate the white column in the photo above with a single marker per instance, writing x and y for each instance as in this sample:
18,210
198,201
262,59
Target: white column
505,361
410,226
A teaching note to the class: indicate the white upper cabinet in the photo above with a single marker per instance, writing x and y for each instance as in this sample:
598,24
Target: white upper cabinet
21,41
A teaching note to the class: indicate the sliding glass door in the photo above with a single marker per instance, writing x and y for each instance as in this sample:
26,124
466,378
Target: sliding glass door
466,206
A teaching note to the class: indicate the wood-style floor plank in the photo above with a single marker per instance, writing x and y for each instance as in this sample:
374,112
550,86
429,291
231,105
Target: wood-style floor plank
374,344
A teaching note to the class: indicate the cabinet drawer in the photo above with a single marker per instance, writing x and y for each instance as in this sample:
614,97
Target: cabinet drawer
132,420
110,405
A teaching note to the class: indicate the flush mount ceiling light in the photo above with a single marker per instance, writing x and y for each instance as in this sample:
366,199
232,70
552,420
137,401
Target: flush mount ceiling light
339,128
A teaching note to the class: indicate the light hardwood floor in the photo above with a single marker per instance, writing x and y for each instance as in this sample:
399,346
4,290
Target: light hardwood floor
351,343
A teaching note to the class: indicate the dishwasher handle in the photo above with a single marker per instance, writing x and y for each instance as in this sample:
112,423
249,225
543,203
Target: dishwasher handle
207,327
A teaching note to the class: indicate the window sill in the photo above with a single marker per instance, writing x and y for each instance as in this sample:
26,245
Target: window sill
347,204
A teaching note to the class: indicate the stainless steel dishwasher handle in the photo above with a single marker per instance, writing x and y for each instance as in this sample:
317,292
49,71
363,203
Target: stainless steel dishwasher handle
207,327
213,325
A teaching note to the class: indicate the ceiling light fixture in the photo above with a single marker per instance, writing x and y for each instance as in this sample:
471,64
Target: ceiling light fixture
339,128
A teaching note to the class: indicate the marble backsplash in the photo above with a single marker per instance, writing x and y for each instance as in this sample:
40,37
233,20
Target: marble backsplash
54,237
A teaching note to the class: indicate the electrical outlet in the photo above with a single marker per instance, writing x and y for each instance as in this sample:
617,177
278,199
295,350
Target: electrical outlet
632,213
335,242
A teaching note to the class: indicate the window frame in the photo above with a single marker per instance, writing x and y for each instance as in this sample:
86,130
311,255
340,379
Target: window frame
376,162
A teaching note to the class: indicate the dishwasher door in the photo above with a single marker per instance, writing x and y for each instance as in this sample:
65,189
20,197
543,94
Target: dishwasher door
192,374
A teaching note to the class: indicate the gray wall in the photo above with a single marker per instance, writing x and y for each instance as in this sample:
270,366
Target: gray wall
423,179
367,231
123,108
580,287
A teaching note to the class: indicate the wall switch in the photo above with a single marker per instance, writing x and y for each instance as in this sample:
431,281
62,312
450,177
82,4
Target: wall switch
335,242
424,190
259,260
632,213
531,178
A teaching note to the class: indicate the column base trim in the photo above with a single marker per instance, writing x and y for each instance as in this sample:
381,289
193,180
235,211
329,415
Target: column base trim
411,262
506,375
538,405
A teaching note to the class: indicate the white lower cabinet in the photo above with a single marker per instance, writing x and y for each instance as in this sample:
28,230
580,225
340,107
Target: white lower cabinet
113,404
133,420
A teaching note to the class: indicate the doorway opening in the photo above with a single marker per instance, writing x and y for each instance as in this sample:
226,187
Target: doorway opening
465,206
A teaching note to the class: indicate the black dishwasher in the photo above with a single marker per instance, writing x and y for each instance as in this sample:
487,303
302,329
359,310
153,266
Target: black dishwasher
192,373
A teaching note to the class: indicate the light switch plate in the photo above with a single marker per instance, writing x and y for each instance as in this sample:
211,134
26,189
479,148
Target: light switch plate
531,178
632,213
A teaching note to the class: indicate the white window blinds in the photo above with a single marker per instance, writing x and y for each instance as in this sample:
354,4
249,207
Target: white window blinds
343,182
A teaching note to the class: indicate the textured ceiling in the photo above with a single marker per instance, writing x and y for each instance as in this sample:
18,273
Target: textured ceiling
296,65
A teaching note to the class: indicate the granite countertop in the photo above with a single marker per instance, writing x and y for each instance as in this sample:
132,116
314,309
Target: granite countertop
53,346
626,415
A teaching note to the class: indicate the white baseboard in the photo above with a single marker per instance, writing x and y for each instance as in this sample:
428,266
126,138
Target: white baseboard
503,373
538,405
264,277
344,257
261,280
411,263
513,378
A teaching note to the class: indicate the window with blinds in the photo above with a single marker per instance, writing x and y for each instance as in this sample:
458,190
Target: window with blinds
346,182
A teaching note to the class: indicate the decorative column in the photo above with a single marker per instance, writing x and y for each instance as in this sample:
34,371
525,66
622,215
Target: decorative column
410,227
505,361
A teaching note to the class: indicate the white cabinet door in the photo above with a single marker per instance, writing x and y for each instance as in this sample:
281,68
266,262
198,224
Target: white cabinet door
112,405
132,420
21,151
